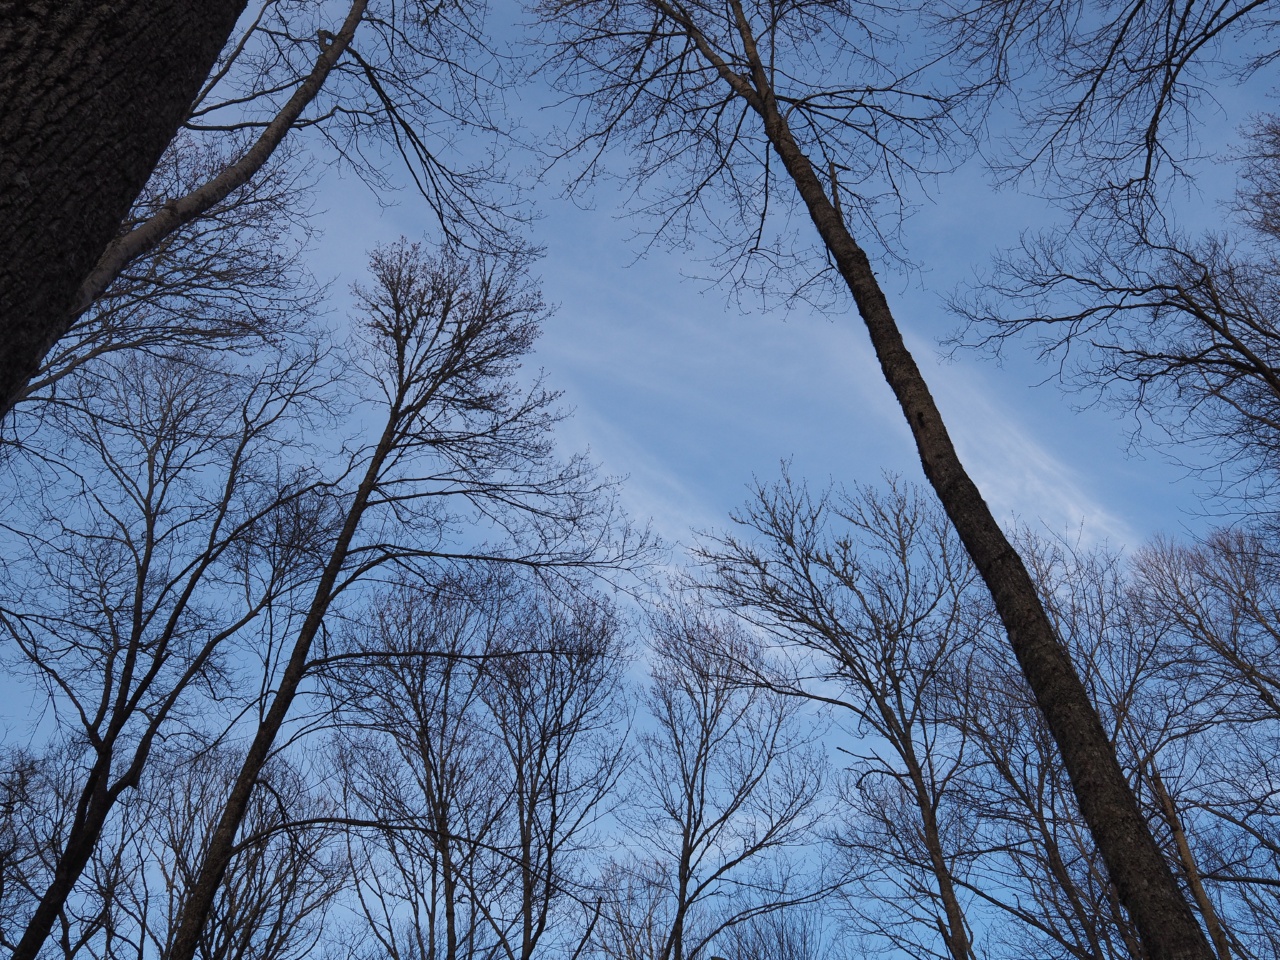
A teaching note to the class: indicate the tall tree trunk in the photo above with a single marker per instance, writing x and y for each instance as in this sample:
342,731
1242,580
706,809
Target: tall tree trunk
1142,877
91,93
1145,883
77,847
220,848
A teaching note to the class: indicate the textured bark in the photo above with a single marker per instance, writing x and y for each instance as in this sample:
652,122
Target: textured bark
182,210
91,93
1143,880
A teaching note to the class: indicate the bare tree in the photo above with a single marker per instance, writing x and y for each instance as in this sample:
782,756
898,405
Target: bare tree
1219,598
459,451
416,765
1037,860
1032,855
284,878
728,787
553,689
35,808
747,96
274,900
1037,864
1215,604
420,75
874,601
149,540
879,614
232,278
490,717
180,517
797,933
91,96
1118,88
1178,329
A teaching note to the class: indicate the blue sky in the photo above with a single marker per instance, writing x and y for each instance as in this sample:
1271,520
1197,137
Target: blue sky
690,396
679,389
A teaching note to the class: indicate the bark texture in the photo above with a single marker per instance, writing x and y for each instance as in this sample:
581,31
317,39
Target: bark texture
91,93
182,210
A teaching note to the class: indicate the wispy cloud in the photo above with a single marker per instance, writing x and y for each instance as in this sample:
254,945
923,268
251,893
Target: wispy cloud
1027,479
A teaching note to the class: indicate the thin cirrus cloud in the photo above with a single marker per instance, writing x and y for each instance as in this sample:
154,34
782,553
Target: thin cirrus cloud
1029,481
693,397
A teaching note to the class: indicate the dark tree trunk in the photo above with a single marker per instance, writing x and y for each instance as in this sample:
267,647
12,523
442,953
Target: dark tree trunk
1142,877
91,93
1139,870
96,801
221,846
